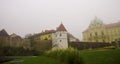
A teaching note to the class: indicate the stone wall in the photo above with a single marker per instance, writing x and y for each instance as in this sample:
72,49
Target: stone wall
88,45
43,45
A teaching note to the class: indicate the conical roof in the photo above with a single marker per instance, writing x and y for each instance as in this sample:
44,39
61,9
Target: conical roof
3,33
61,28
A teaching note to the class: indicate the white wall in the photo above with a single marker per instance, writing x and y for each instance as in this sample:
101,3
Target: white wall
60,40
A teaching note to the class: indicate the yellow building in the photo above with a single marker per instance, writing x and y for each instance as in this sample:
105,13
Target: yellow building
47,35
100,32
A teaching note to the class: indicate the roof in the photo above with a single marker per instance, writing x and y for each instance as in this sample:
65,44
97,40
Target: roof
70,35
3,33
117,24
85,31
14,36
61,28
48,31
108,26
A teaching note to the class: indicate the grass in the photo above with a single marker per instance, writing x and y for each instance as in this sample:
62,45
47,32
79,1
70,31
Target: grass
36,60
88,56
101,57
41,60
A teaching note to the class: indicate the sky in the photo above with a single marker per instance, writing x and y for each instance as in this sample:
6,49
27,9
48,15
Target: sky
34,16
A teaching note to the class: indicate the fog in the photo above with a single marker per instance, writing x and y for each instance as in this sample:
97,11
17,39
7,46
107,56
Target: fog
33,16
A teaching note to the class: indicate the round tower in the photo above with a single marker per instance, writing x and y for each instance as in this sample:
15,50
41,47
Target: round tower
60,39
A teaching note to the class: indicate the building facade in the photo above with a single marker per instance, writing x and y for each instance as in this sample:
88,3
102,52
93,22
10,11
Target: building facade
47,35
100,32
58,37
13,40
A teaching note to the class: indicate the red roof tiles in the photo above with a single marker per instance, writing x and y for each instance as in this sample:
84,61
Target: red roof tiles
61,28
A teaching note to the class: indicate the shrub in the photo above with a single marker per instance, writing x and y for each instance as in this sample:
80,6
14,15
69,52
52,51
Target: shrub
17,51
69,56
109,47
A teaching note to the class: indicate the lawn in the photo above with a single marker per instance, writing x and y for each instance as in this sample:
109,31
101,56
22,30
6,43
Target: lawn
89,57
101,57
35,60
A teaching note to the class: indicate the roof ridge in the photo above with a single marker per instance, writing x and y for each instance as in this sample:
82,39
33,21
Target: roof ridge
3,33
61,28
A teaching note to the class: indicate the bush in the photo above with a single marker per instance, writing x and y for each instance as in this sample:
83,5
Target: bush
69,56
110,47
17,51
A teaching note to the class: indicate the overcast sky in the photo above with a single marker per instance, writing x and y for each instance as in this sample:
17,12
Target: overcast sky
32,16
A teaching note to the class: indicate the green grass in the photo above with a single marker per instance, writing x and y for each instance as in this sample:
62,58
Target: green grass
88,56
40,60
37,60
101,57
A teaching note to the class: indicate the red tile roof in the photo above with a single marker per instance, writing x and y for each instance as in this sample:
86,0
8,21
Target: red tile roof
61,28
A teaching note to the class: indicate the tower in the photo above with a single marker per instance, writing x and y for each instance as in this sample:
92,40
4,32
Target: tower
60,39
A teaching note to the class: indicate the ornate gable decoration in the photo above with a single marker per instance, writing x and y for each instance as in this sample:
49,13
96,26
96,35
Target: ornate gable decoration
96,23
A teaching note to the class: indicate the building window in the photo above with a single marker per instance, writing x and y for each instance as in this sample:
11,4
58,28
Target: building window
60,40
90,34
102,33
96,33
60,34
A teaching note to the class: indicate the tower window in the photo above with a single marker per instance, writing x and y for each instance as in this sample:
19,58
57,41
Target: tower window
60,34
